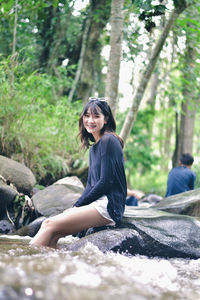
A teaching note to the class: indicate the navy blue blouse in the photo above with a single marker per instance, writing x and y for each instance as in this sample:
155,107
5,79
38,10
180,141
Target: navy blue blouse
106,176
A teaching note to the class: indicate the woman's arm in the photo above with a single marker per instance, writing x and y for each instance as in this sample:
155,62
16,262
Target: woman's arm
110,152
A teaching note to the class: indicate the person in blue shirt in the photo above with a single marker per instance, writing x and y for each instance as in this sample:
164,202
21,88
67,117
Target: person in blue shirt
181,178
103,199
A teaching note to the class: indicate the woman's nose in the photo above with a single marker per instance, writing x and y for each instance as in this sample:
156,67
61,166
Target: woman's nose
90,119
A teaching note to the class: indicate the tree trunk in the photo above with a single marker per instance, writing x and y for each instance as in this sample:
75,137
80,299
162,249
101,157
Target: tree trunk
46,31
175,154
14,54
186,128
90,77
15,29
62,23
151,102
137,98
116,35
184,138
184,143
81,57
153,90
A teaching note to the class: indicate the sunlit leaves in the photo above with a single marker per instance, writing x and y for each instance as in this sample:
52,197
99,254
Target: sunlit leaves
40,123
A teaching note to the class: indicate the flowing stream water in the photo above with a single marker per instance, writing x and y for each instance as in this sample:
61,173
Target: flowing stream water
28,272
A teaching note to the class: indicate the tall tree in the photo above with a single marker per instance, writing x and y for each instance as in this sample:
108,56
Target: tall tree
151,101
186,120
46,28
91,68
116,35
15,29
62,21
146,74
81,57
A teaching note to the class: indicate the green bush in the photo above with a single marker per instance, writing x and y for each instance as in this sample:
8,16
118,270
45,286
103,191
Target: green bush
37,126
196,169
152,182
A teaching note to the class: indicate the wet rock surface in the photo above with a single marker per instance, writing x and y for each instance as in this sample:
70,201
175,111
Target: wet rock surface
187,203
148,232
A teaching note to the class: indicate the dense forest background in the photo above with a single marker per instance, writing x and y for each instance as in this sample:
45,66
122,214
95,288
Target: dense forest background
55,54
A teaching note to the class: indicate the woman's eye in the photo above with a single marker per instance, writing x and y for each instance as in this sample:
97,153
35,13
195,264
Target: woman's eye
92,116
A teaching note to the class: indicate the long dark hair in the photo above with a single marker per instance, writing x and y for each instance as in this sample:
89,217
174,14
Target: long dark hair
94,104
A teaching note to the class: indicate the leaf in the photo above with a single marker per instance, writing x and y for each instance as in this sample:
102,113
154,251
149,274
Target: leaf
161,8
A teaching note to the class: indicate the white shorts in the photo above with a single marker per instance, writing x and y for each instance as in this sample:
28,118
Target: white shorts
101,206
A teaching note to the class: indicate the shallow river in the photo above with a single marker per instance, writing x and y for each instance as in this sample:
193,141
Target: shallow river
34,273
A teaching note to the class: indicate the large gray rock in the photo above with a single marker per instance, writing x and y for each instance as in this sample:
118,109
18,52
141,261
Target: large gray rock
57,197
148,232
144,231
18,174
31,229
187,203
7,195
6,227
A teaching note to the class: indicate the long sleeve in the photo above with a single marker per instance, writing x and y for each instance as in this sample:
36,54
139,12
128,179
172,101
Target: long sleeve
106,163
192,183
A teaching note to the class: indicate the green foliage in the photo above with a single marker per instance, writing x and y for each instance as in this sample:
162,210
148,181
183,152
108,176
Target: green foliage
139,153
148,11
196,169
147,4
35,121
180,5
101,9
37,124
152,182
139,142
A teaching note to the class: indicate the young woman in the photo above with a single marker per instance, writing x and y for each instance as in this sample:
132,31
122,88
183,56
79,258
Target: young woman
103,200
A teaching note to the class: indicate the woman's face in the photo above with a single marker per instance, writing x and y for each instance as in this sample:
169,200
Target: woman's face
94,122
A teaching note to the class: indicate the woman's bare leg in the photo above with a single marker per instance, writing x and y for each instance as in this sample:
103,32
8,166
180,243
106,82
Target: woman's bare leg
69,222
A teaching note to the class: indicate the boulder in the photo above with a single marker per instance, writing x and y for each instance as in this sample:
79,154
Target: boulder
71,182
18,174
57,197
7,195
151,199
6,227
152,231
149,232
31,229
187,203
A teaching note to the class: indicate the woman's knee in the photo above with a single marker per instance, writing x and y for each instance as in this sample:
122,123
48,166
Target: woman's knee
47,224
